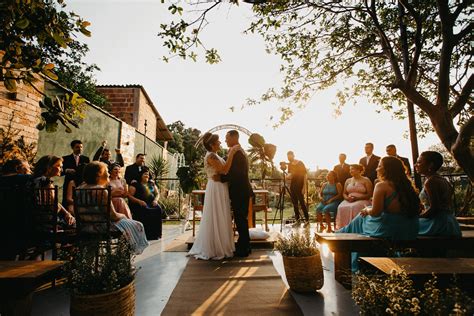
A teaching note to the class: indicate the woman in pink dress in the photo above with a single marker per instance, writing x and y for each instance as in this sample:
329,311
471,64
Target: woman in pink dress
119,191
357,194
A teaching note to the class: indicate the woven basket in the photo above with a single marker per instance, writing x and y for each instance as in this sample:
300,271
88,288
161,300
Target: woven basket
117,303
304,274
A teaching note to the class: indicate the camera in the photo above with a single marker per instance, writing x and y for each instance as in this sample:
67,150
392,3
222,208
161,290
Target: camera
283,166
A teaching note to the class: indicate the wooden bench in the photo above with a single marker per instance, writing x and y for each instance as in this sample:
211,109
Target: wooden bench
342,245
18,280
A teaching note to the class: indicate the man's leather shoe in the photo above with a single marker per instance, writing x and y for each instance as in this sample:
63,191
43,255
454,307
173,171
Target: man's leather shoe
241,254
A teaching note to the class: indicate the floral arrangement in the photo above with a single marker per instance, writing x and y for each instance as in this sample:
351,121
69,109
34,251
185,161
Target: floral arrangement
296,245
95,269
395,294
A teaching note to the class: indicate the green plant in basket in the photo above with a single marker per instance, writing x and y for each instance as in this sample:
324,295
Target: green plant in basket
97,269
302,262
296,245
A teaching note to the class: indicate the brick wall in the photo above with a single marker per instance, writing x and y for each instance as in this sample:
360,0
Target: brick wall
121,103
25,106
146,112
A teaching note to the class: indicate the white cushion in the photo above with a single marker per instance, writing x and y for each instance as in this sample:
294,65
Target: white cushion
258,234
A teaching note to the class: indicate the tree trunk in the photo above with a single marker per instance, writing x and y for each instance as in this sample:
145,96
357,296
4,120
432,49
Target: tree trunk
459,148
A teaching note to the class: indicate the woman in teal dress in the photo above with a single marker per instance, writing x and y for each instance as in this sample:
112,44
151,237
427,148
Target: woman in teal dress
437,218
331,196
395,207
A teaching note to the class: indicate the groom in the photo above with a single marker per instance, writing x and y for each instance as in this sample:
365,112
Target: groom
240,192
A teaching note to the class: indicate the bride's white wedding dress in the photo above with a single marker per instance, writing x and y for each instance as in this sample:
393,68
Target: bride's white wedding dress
215,238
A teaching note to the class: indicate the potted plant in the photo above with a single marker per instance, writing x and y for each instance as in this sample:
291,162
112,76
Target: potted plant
302,262
101,279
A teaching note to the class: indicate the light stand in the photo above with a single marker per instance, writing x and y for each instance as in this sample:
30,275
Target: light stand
281,202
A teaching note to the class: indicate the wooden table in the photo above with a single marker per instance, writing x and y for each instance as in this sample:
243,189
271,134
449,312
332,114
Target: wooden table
261,197
261,204
197,200
18,280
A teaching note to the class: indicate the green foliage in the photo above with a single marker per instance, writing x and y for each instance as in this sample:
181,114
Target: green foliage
261,154
37,38
31,32
386,51
395,295
13,146
188,178
297,245
159,167
76,75
88,275
67,110
170,206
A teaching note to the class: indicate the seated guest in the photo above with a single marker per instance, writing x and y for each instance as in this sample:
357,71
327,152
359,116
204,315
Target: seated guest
436,218
103,154
357,193
46,168
97,176
15,223
392,151
74,183
143,200
15,172
395,207
119,191
132,172
331,196
342,170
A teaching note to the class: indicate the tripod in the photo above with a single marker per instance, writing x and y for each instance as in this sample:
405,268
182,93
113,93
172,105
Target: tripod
281,202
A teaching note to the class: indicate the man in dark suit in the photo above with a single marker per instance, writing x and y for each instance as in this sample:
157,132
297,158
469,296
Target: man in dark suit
370,162
71,163
342,170
240,192
297,175
392,151
132,172
103,154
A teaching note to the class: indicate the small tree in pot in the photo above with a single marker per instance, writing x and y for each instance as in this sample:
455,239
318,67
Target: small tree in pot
302,262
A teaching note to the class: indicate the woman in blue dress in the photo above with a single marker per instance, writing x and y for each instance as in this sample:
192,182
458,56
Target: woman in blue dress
331,196
395,207
437,218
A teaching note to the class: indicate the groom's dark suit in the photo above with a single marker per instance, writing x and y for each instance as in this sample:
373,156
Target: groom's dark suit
240,192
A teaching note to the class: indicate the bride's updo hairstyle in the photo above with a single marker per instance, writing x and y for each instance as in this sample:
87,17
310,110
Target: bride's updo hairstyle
208,140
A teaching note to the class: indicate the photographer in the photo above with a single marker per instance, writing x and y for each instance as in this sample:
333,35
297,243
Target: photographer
297,175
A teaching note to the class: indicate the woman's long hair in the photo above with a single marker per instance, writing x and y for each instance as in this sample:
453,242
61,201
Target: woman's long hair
394,171
43,164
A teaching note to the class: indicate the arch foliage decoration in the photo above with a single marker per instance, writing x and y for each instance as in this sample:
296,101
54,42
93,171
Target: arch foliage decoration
222,127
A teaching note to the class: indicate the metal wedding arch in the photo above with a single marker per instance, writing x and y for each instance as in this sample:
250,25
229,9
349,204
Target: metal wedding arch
221,127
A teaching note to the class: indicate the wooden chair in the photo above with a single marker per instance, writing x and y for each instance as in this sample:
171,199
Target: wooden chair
15,226
46,232
92,208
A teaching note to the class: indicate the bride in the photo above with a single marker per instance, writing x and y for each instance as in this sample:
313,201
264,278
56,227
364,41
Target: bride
215,239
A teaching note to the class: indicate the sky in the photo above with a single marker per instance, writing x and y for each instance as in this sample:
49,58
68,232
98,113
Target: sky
125,45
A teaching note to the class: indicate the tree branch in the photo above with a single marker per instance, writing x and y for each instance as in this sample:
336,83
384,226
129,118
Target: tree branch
411,77
384,41
463,97
465,31
446,53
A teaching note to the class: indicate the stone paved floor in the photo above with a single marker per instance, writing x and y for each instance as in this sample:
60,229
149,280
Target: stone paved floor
160,271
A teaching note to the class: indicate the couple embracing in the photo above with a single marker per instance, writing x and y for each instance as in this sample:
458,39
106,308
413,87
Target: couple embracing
228,190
